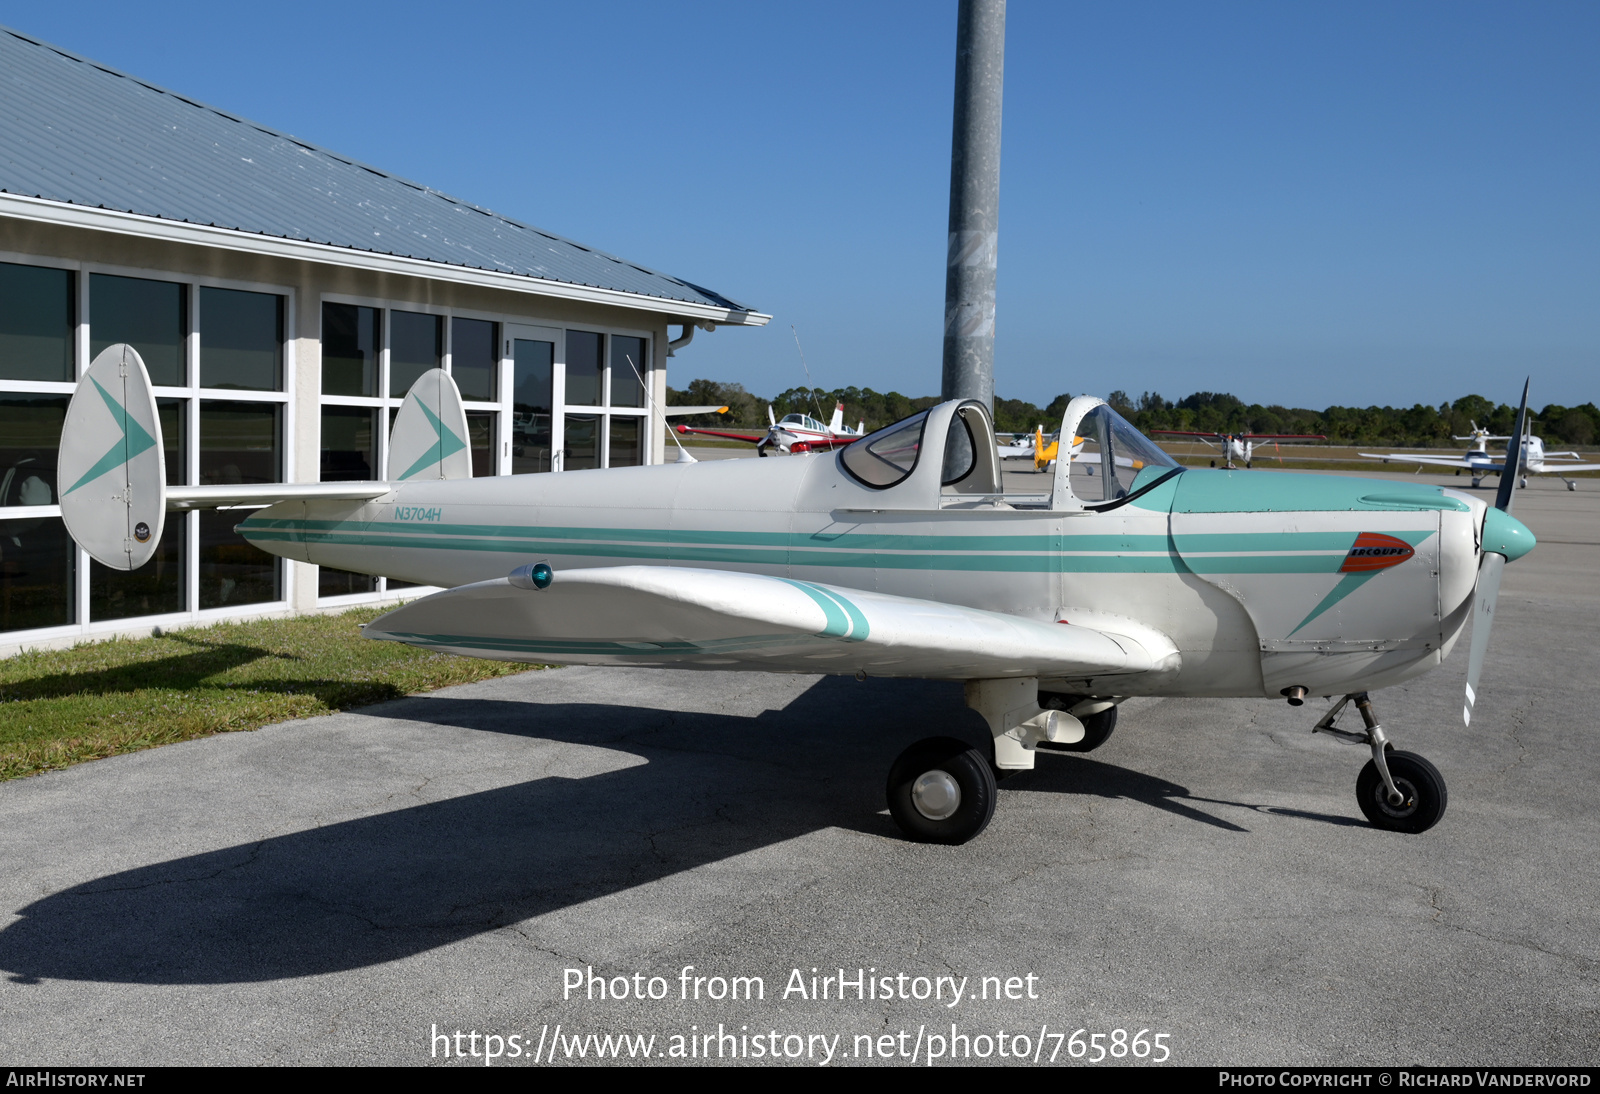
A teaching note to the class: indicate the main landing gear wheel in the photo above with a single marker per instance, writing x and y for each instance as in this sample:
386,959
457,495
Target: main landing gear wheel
1096,727
942,790
1421,787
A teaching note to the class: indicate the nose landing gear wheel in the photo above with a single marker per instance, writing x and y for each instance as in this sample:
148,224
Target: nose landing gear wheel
941,790
1419,783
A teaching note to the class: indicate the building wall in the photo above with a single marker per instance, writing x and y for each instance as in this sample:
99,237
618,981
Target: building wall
305,287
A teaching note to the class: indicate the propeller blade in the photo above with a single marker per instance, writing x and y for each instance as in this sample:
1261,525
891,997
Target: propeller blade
1513,465
1482,620
1494,563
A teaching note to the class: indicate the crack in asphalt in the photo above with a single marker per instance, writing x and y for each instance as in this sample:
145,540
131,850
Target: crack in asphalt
255,852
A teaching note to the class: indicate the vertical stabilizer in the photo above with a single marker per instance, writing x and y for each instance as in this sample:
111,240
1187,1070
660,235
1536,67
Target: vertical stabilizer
430,432
112,472
836,423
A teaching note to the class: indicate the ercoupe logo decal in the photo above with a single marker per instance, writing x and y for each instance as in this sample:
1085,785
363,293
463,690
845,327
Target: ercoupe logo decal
1375,551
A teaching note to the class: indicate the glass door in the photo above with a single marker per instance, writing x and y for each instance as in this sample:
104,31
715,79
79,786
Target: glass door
538,383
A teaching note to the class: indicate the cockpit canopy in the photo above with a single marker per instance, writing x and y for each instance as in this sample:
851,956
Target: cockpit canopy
1107,455
889,456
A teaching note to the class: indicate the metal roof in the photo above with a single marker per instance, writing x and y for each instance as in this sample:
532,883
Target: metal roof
75,131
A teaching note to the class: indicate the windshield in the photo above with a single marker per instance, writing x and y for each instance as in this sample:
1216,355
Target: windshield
1107,455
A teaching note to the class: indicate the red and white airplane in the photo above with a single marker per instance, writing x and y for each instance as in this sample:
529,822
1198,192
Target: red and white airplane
795,433
1239,445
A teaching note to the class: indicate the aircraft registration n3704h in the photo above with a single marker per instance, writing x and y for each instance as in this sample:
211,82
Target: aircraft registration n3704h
900,554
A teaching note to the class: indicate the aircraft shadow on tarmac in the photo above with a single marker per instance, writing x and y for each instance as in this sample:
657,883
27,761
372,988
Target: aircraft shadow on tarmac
378,888
1076,774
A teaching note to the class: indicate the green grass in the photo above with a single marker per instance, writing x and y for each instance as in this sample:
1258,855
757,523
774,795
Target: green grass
62,707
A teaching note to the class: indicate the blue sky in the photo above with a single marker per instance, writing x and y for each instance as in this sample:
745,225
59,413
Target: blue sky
1299,203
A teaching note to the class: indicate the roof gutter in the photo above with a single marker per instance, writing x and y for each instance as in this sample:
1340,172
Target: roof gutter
204,235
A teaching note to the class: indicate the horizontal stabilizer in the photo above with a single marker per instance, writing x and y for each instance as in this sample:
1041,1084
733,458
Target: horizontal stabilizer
689,617
268,493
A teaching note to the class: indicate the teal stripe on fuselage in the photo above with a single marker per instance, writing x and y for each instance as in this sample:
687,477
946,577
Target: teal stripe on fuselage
1219,553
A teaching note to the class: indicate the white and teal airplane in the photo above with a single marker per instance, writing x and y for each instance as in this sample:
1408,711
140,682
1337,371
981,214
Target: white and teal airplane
1051,608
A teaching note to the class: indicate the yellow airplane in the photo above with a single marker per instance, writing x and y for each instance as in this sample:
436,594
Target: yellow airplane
1045,453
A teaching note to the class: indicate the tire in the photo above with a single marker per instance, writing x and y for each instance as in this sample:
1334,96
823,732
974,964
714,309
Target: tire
1096,727
959,780
1414,777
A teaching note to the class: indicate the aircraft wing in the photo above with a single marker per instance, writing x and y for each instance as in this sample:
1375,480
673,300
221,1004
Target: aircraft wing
698,618
1437,461
714,433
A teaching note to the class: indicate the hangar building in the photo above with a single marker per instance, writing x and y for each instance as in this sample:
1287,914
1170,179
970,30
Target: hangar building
284,298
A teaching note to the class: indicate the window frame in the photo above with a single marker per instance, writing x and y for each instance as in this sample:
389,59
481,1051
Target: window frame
191,393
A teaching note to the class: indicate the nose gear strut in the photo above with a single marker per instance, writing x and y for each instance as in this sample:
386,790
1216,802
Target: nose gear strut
1399,791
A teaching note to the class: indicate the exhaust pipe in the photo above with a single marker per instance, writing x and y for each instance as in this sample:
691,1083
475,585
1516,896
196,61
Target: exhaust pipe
1296,695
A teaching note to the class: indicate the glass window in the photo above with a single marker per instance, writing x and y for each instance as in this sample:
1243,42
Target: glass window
584,365
151,316
241,340
30,442
349,444
174,431
533,366
36,582
233,571
239,442
480,436
36,320
415,346
626,434
582,446
627,366
349,350
473,360
331,582
155,588
888,456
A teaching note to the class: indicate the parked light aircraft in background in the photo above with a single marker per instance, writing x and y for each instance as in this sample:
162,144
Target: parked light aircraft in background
796,433
1239,445
1480,461
898,555
1018,446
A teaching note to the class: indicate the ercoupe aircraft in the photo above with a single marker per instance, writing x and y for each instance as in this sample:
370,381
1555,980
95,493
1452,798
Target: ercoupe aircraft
796,433
1238,445
1143,579
1479,461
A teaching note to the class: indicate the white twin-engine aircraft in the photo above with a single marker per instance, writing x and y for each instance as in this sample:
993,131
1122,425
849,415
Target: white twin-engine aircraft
1142,579
1479,461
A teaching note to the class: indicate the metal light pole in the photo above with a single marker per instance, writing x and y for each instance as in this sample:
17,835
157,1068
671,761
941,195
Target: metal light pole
974,202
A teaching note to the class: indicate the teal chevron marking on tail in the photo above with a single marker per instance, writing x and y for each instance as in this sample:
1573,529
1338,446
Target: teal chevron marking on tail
447,444
134,440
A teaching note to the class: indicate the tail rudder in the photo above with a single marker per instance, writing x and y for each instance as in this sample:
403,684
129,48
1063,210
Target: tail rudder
112,470
836,423
430,438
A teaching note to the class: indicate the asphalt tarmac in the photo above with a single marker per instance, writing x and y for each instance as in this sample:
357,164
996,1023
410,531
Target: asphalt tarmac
343,889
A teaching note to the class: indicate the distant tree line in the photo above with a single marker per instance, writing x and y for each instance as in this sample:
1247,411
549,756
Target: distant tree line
1419,426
